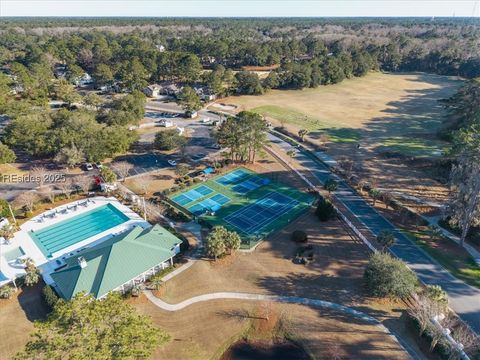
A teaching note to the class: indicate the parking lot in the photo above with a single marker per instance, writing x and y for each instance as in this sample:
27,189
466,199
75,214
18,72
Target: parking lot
142,163
161,115
201,143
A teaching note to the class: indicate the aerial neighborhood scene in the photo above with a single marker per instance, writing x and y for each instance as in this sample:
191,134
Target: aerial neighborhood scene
234,180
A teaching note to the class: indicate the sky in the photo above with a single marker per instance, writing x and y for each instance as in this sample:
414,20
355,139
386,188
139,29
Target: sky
238,8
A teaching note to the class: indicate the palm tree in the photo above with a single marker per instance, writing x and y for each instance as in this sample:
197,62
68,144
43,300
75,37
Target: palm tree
374,193
156,282
434,232
331,185
6,292
7,232
386,239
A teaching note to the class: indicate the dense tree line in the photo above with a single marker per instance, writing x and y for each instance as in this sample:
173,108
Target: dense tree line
89,128
303,52
67,134
135,57
464,130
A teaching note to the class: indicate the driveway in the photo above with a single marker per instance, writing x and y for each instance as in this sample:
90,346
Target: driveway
463,299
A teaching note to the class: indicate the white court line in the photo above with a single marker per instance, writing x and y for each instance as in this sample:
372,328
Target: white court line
286,207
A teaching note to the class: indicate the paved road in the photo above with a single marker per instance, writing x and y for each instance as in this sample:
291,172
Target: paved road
464,299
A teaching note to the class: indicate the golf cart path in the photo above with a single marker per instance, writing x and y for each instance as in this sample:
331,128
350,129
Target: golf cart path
278,298
463,298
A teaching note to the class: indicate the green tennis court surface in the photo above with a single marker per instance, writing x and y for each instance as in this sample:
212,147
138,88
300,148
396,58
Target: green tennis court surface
244,201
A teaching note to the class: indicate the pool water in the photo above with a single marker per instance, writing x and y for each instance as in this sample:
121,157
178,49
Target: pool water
71,231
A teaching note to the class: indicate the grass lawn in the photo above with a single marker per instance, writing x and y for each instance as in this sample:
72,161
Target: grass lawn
336,274
378,110
9,169
237,201
418,147
302,121
450,255
17,316
205,330
398,113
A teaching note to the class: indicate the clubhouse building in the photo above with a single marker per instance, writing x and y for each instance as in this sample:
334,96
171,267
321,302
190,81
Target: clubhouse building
117,264
96,246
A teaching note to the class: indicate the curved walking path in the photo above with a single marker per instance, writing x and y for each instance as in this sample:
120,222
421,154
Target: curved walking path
283,299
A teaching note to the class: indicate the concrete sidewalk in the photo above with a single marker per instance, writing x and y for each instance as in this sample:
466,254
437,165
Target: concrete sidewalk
433,221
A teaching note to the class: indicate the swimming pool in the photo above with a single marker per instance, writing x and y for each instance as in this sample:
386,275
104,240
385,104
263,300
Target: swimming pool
71,231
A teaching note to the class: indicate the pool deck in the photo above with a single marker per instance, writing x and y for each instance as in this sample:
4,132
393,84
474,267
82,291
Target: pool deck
47,265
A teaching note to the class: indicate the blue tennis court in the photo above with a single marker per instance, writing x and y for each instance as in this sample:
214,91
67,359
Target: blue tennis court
233,177
253,218
212,204
192,195
220,199
250,184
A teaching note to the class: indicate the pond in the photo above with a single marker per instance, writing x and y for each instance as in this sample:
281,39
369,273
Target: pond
243,350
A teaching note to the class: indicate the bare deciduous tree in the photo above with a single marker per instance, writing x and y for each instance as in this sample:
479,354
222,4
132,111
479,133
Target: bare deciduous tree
324,139
423,311
26,200
66,187
335,352
144,184
464,207
361,185
466,337
347,165
387,198
123,192
84,182
123,168
38,174
154,211
48,192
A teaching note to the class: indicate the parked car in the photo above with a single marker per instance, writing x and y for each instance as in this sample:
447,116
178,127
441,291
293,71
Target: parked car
88,167
98,165
172,162
166,123
191,114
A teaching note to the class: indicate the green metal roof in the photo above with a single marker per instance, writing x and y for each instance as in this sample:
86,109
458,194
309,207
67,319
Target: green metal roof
115,261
